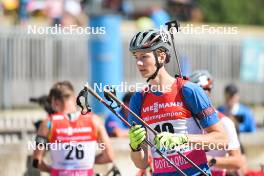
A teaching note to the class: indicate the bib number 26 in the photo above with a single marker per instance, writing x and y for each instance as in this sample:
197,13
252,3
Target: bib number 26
74,151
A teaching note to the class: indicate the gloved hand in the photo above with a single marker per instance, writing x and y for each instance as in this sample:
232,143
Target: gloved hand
137,134
169,141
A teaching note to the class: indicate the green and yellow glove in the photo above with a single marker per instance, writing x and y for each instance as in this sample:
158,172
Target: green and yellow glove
169,141
137,134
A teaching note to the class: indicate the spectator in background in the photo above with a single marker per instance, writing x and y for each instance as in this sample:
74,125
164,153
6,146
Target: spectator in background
159,16
9,10
180,9
185,10
144,23
10,5
114,126
241,114
72,14
23,14
54,10
36,8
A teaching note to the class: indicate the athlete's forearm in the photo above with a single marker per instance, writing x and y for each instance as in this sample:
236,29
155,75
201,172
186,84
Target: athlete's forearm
107,153
38,161
100,159
140,158
42,166
103,158
231,162
106,156
208,141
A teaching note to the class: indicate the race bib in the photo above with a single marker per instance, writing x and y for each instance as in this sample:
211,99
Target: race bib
73,155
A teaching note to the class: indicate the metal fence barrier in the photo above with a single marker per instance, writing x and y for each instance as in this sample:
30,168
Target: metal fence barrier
30,64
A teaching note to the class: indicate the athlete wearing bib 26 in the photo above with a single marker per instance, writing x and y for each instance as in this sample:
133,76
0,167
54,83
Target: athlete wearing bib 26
174,107
72,137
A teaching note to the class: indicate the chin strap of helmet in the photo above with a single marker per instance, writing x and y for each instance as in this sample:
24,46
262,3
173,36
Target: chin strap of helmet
158,66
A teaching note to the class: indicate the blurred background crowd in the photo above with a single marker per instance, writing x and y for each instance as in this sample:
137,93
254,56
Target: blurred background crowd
31,63
50,12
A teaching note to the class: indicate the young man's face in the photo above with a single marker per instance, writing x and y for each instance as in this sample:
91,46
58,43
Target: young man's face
145,62
231,100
